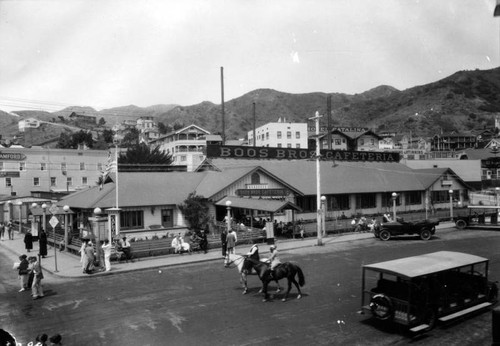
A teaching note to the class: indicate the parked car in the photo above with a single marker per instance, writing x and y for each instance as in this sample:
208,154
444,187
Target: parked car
420,291
423,228
478,216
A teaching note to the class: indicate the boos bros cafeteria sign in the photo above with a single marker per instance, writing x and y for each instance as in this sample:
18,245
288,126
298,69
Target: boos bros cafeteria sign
217,151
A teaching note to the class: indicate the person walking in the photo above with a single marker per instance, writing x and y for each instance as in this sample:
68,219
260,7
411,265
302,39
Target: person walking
204,241
23,272
31,273
9,230
36,288
42,243
28,241
106,249
89,258
231,242
83,257
2,231
223,239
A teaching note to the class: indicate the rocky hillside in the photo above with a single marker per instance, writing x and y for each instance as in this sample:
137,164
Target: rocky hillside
464,101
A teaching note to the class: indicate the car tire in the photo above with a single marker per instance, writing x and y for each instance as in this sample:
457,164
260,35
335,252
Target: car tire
381,307
384,235
461,224
425,234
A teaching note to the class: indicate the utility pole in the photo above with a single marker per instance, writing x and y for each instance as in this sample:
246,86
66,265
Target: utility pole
254,125
318,183
329,121
222,106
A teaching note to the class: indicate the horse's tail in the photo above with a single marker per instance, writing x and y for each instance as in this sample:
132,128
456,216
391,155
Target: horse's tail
302,280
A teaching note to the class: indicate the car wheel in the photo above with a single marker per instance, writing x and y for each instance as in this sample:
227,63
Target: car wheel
461,224
381,307
425,234
384,235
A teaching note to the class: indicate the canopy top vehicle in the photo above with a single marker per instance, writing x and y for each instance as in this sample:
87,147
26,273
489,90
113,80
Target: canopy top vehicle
479,216
420,290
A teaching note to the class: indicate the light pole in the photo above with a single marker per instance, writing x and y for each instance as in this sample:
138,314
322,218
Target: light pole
318,180
323,214
97,212
228,207
66,209
394,197
451,204
20,204
497,190
44,210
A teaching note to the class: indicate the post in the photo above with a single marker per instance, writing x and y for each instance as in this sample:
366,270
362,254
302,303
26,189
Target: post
394,197
44,222
318,182
97,212
451,204
323,214
20,204
66,209
228,207
222,105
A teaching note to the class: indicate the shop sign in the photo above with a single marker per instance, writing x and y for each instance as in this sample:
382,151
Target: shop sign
218,151
9,174
262,192
12,156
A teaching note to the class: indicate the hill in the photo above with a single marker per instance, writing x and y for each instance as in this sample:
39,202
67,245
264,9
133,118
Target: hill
464,101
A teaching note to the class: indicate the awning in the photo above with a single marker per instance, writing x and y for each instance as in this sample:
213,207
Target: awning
268,205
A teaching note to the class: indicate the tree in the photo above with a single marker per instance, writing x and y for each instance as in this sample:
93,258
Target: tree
102,122
162,128
107,136
131,138
143,154
195,209
64,141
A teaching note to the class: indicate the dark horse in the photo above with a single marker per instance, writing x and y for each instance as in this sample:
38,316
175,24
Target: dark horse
286,270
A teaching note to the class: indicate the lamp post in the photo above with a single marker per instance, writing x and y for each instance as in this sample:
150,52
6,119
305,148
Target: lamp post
44,210
20,204
318,180
451,204
228,207
497,190
394,197
323,214
66,209
97,212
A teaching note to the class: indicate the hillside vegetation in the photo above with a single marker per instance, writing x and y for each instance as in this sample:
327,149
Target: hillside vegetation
464,101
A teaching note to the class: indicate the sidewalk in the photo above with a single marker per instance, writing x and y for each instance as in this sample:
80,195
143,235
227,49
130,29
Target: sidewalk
69,266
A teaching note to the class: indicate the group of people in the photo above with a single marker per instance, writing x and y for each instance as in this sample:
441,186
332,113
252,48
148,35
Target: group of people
6,228
42,339
363,225
30,275
42,242
228,240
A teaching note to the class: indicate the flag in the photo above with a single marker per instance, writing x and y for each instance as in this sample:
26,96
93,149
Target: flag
109,168
496,13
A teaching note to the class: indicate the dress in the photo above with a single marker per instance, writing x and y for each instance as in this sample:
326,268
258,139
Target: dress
43,243
231,242
89,259
223,239
106,248
28,241
36,288
23,273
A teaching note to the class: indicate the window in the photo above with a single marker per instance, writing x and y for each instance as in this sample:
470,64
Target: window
440,196
366,201
413,197
297,146
279,145
53,181
255,178
372,141
69,181
183,158
36,181
1,166
279,135
307,203
64,168
22,166
8,182
132,219
337,141
84,180
387,200
289,145
82,166
43,166
167,218
288,134
99,167
361,142
267,135
297,135
339,202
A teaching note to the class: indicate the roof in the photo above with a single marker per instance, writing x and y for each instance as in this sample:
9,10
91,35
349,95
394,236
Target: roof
467,170
268,205
478,154
339,177
411,267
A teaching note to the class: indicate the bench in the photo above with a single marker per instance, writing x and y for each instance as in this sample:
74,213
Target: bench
156,247
250,237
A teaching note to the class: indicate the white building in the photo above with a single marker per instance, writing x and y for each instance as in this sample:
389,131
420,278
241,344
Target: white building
281,134
28,123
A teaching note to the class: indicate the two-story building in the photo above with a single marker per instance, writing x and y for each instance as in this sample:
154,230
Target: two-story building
279,134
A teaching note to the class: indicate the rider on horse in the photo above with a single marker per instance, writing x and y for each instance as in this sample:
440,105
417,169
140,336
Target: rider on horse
273,259
251,256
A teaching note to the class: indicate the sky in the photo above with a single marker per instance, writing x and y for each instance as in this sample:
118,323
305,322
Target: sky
107,53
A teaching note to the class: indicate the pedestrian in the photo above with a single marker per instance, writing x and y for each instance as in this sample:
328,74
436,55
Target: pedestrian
42,241
2,231
31,273
83,257
204,241
231,242
223,239
9,230
23,272
56,340
36,288
89,258
28,241
106,248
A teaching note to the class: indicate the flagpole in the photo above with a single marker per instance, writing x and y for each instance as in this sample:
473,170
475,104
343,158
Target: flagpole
116,165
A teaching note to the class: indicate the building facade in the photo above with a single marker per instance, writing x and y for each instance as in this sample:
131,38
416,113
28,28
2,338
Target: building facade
280,134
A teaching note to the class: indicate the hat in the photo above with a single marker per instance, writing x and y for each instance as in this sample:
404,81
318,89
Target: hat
272,247
24,256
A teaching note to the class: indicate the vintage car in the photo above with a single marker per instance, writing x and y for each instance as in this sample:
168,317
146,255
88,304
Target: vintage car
420,291
478,216
423,228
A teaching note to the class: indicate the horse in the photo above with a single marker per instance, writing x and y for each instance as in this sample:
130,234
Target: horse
239,261
286,270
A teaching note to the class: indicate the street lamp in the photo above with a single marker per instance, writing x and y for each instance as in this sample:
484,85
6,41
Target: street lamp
97,212
66,209
228,207
394,197
451,204
316,118
44,226
20,204
323,214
